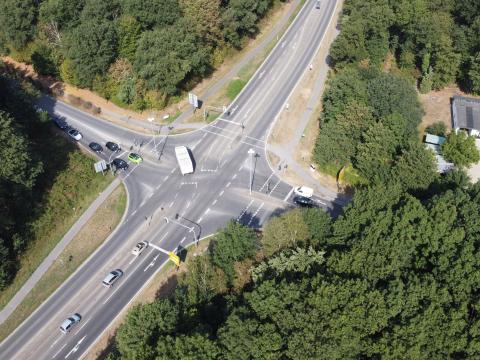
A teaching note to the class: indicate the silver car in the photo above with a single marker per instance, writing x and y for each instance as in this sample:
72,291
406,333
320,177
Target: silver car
112,277
69,323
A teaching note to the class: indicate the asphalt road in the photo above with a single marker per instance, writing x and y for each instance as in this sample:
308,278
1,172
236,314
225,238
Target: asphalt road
170,210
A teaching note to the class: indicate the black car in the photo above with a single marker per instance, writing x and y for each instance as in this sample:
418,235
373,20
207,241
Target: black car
61,123
95,147
303,201
112,146
120,164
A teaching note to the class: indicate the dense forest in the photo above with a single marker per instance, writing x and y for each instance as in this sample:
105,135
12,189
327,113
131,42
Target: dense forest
386,50
137,53
436,42
395,277
42,176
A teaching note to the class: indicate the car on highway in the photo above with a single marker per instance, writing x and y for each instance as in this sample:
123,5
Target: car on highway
75,134
135,158
138,249
69,323
317,4
112,146
120,164
96,147
112,277
304,201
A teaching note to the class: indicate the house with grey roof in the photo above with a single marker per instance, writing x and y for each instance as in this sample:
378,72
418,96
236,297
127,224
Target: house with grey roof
466,114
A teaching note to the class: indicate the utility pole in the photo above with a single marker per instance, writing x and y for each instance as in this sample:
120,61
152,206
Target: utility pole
251,152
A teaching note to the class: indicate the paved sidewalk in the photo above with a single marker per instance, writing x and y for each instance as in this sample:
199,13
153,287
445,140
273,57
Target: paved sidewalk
45,265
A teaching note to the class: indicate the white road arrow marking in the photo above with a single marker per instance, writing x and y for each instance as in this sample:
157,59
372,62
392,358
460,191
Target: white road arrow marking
75,348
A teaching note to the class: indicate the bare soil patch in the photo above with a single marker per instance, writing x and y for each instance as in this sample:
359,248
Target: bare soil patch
437,106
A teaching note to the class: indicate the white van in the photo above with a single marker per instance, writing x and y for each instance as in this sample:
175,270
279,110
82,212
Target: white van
303,191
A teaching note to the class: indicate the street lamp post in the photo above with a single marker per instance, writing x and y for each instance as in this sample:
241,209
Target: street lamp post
251,152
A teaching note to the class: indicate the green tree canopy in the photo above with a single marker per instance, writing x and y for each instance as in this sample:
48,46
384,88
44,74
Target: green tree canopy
17,22
92,47
460,149
165,62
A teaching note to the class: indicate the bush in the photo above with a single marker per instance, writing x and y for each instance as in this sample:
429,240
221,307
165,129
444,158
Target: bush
460,149
437,128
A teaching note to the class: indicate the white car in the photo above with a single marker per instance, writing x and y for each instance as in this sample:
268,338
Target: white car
69,323
75,134
111,277
138,249
304,191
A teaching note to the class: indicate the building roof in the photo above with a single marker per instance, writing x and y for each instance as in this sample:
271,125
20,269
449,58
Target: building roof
466,113
434,139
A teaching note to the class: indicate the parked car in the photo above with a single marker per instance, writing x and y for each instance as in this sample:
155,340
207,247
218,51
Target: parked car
120,164
112,146
61,123
96,147
69,323
112,277
138,249
135,158
303,201
75,134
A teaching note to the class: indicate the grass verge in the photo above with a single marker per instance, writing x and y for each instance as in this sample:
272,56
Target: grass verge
92,235
72,191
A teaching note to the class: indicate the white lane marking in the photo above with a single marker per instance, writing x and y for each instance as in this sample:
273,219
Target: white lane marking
181,242
229,183
75,348
255,213
173,170
240,168
274,187
151,263
206,212
59,351
131,261
176,195
83,325
234,176
289,193
131,171
188,204
133,213
266,182
229,121
205,134
215,201
171,204
199,220
221,193
56,341
244,210
232,139
165,178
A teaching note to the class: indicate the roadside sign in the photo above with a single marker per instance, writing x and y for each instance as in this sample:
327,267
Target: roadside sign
174,257
100,166
193,100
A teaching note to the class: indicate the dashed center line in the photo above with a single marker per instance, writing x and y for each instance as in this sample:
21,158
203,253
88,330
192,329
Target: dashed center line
221,193
228,185
215,201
